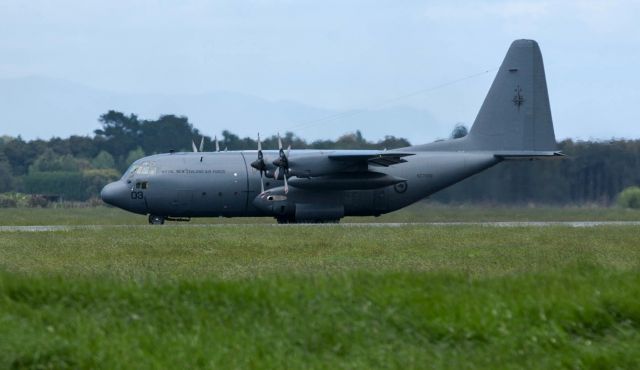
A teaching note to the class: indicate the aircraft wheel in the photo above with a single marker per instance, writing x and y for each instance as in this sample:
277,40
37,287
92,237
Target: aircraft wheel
156,220
328,221
285,220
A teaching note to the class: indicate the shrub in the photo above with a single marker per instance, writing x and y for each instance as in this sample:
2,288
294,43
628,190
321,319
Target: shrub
69,185
13,200
38,201
630,198
95,180
7,201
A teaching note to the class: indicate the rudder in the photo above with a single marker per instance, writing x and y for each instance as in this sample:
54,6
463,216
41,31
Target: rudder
515,115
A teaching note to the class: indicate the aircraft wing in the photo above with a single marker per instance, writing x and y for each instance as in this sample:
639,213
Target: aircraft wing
376,158
527,155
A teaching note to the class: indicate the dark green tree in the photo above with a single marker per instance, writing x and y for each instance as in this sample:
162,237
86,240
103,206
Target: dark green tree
459,131
6,175
49,161
103,160
119,133
167,133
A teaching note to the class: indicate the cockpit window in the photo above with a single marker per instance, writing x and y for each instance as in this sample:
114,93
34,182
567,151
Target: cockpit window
141,168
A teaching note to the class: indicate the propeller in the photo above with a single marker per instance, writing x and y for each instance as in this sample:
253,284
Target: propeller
282,163
259,164
195,148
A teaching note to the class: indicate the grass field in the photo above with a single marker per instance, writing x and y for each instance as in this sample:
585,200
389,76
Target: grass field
328,296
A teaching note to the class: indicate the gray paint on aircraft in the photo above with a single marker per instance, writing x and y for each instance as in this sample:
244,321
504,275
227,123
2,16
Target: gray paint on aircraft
514,122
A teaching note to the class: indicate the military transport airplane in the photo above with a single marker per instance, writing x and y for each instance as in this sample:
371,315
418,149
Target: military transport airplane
514,123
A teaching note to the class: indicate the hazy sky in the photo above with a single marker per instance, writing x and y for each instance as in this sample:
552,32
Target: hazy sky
337,54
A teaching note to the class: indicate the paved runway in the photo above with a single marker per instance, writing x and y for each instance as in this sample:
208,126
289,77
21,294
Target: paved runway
46,228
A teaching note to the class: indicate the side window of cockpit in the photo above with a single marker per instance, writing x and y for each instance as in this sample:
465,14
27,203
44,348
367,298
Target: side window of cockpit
141,185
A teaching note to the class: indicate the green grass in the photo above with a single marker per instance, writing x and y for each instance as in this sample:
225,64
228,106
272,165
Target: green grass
420,212
263,296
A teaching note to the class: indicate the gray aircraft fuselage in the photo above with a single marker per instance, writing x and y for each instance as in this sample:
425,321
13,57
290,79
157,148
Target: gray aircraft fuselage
211,184
514,122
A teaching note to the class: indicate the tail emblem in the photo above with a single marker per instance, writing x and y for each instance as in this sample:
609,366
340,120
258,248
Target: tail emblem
518,99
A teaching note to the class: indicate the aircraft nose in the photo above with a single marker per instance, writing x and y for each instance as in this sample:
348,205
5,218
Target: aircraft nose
112,193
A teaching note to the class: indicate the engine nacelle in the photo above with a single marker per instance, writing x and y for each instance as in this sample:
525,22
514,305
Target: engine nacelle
298,206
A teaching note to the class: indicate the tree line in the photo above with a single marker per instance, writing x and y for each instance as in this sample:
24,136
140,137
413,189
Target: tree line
593,172
78,166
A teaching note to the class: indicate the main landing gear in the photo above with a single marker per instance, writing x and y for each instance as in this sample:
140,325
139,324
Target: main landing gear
156,220
159,220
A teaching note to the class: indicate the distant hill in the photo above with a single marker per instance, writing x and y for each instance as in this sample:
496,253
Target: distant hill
43,107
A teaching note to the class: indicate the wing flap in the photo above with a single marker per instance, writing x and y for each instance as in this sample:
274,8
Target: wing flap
528,155
383,159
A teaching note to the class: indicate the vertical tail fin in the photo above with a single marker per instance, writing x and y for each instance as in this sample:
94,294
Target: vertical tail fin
515,115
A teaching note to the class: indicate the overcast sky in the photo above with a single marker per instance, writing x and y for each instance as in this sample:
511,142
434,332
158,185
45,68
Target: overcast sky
337,54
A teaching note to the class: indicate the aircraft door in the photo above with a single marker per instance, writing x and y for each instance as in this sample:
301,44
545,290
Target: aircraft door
229,184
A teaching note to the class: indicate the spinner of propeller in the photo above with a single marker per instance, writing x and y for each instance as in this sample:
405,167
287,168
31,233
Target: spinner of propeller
281,165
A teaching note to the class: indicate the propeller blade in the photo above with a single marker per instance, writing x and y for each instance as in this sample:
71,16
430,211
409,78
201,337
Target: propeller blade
286,185
279,142
193,146
275,174
202,144
261,183
217,144
260,165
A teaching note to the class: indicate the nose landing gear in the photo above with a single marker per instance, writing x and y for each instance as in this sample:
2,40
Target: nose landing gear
156,220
